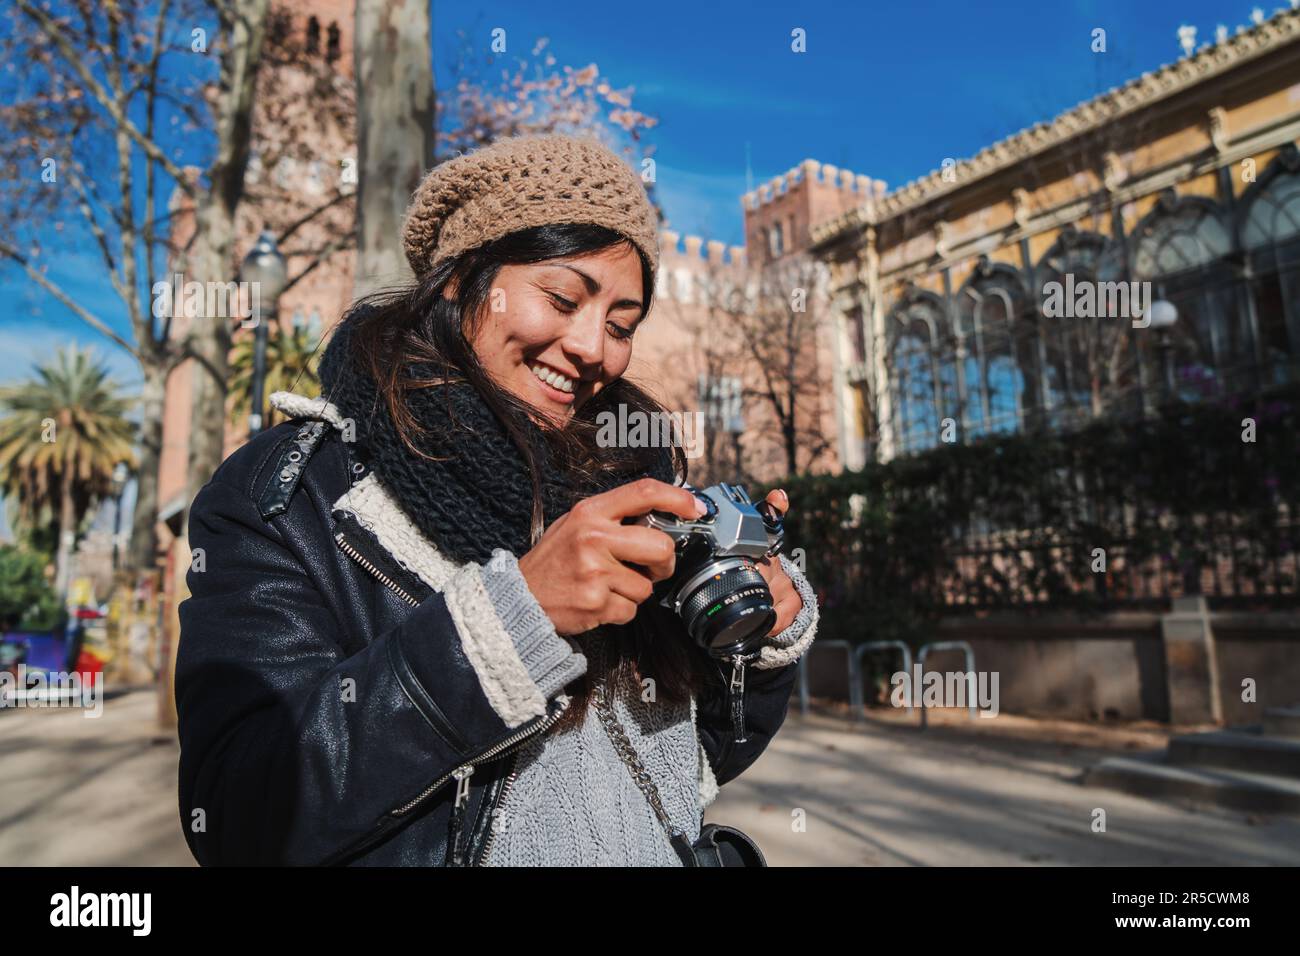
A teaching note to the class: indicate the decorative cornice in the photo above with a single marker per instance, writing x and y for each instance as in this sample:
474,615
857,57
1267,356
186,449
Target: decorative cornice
1209,62
1217,125
942,237
1113,172
1020,209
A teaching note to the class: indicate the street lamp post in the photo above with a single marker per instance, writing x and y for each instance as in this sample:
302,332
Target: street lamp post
265,268
1163,316
118,486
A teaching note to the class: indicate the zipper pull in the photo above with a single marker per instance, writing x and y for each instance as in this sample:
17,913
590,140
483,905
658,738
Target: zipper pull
736,693
454,849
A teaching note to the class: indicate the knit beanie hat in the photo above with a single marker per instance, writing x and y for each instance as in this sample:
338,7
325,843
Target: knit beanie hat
520,182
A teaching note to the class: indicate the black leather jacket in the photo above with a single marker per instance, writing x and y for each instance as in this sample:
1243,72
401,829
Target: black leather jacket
322,720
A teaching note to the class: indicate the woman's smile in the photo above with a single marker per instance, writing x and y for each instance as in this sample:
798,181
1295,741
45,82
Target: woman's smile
555,385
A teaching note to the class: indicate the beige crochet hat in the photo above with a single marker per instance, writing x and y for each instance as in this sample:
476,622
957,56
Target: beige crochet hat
520,182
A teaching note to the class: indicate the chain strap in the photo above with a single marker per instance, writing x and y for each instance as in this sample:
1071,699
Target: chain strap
622,745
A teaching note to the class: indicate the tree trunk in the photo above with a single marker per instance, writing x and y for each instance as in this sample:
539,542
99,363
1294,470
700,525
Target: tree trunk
213,258
395,131
141,550
67,530
211,348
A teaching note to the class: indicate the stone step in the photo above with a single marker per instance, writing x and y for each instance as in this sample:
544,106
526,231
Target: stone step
1150,776
1237,750
1282,721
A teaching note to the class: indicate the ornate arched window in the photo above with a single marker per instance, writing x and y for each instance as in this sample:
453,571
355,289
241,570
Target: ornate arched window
1181,248
994,349
1085,319
918,378
1179,235
1270,235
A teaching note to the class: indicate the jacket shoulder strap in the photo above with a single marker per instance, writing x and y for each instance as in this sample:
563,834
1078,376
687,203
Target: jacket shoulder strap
289,467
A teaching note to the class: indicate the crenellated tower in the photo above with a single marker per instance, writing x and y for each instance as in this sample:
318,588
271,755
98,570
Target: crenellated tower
780,214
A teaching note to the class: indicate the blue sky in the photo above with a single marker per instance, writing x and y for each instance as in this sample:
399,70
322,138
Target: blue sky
884,89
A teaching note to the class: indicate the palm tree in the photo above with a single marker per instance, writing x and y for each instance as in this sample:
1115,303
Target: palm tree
61,433
290,365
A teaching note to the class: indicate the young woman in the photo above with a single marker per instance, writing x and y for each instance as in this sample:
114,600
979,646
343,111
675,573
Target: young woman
408,601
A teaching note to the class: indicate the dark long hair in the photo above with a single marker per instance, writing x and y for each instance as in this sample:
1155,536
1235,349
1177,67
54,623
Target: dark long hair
396,329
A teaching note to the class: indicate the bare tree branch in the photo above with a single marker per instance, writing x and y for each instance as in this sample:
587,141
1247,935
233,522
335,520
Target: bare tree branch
120,119
35,275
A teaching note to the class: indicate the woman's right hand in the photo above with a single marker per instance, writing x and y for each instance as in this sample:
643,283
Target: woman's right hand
579,570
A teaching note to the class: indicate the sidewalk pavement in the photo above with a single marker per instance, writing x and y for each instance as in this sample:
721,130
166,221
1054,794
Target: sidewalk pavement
102,792
82,791
975,792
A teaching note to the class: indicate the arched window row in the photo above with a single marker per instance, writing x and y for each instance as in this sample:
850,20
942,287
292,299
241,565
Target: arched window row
989,358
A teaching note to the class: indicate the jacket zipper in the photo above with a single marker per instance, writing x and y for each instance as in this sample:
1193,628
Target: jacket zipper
455,852
384,579
500,802
462,773
466,769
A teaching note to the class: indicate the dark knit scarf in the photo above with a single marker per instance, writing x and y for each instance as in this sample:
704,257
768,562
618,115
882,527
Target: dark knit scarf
478,496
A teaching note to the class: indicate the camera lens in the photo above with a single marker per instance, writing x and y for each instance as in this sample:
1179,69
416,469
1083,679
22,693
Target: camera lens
727,607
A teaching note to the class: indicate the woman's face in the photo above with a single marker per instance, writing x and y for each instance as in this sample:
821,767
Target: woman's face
555,333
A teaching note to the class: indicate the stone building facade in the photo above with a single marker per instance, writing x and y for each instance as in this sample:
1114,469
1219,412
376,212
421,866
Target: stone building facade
1185,181
1022,288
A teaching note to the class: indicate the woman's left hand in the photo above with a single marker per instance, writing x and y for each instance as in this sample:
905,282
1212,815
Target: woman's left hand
786,597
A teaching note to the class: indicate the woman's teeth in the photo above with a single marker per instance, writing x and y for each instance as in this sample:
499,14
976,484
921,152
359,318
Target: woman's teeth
553,378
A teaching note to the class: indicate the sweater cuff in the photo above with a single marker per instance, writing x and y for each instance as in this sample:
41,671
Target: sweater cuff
788,646
551,660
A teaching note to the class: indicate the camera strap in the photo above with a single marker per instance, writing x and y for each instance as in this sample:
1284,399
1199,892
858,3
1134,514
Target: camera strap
736,697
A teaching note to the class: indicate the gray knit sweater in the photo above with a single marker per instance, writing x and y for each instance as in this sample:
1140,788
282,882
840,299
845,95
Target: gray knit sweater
573,801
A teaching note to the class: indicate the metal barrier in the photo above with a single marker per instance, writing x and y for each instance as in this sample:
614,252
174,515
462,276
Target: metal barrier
863,649
970,668
854,655
855,679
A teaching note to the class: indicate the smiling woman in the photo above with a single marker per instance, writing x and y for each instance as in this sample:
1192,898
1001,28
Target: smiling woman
403,653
